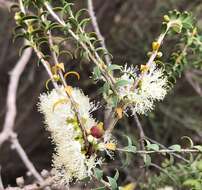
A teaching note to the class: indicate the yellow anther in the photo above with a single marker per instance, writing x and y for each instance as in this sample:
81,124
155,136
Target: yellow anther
155,46
110,146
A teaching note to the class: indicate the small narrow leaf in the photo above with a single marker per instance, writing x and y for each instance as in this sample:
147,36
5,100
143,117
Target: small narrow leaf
112,183
175,147
98,173
154,147
121,83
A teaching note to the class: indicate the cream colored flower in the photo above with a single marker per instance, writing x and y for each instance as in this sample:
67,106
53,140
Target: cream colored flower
69,160
152,87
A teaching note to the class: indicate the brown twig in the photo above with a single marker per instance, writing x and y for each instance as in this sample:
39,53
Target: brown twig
97,29
1,183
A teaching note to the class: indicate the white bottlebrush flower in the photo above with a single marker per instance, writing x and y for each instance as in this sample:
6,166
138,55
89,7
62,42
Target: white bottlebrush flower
152,87
69,161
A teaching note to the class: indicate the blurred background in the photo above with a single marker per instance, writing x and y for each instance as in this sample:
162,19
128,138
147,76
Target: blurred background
129,27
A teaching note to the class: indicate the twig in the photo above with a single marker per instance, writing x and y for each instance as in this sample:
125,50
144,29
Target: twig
11,96
55,58
17,146
7,133
164,147
196,86
162,151
97,29
141,131
96,59
36,186
1,183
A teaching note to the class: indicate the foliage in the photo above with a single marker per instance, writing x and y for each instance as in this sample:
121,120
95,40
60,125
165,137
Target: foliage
179,176
124,89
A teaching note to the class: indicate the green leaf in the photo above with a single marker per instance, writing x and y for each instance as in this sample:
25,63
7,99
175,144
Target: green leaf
85,180
96,72
84,22
114,67
176,147
198,147
79,13
154,147
192,183
116,176
30,18
106,87
122,83
112,183
98,173
130,149
147,159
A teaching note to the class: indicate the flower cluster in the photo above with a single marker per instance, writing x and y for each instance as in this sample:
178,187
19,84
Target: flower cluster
69,161
151,87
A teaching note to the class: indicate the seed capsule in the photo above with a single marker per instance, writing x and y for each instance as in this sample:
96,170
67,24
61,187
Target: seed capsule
97,131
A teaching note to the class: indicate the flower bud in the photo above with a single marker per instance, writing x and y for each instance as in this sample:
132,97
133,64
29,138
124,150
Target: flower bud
155,46
17,16
166,18
159,54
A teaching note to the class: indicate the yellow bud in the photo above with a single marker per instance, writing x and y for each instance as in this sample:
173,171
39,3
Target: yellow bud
166,18
149,53
61,66
100,126
30,29
119,112
159,54
155,46
17,16
144,68
56,77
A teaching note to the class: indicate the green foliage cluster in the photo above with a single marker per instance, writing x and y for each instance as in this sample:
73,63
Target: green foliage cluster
179,176
36,28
